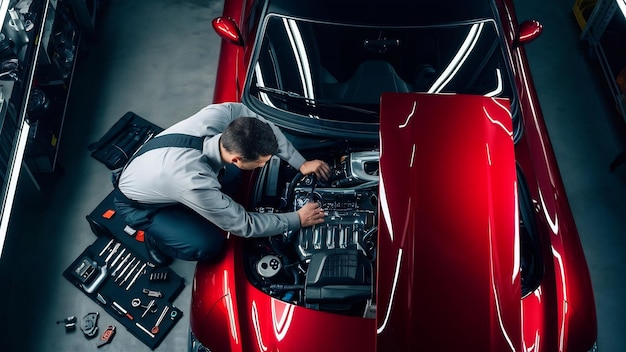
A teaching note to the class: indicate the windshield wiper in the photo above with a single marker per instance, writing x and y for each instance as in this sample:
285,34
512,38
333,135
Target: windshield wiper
317,102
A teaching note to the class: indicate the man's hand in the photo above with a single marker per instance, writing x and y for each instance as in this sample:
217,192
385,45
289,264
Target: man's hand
311,214
318,167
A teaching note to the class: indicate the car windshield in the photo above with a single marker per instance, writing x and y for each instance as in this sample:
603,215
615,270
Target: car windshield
337,72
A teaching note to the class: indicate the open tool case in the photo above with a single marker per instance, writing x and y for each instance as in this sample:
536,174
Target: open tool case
115,272
122,140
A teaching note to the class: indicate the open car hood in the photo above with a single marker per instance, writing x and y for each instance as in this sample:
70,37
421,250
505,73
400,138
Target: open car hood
448,261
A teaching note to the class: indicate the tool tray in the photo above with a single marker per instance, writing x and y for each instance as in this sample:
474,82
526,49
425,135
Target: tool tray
122,140
115,285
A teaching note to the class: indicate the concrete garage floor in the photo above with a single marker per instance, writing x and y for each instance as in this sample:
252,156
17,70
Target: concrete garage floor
158,59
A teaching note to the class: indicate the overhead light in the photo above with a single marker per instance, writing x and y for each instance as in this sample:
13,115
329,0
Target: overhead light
301,57
458,60
622,6
12,184
498,90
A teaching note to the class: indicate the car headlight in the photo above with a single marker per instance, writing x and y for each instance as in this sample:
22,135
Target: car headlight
195,345
594,348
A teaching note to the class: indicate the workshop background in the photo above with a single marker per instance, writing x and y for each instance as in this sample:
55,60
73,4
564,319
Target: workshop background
158,58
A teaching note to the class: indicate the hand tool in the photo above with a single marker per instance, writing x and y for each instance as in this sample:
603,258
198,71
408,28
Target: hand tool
70,323
115,248
136,276
151,307
158,276
155,328
94,285
130,272
107,336
118,257
144,330
105,248
136,141
121,311
122,145
85,269
101,299
125,268
152,293
121,264
136,302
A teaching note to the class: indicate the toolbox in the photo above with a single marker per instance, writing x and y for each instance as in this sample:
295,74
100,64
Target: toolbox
115,272
122,140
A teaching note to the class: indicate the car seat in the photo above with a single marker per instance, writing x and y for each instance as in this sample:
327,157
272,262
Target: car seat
369,81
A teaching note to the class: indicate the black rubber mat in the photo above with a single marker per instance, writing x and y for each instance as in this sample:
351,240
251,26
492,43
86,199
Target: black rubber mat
114,272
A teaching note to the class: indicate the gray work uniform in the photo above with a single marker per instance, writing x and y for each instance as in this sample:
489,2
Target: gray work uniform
188,177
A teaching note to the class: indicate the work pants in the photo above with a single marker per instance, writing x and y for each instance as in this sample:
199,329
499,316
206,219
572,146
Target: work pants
177,230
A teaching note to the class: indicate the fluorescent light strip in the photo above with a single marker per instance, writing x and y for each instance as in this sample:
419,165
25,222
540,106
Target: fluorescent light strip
12,186
622,6
458,60
298,52
22,138
260,83
498,89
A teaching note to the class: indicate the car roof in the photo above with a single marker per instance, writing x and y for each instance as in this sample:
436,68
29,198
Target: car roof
385,12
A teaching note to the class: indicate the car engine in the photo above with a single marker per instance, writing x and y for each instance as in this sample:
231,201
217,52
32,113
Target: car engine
330,266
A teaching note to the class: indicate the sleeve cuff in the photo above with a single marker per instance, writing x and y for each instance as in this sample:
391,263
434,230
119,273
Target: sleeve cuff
296,160
293,221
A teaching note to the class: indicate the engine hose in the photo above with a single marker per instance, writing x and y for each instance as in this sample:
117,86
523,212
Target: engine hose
291,188
281,287
292,269
288,296
365,185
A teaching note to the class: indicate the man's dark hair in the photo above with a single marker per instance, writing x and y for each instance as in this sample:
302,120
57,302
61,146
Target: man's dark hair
249,137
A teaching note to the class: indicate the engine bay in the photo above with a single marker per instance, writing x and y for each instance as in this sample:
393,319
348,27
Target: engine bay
330,266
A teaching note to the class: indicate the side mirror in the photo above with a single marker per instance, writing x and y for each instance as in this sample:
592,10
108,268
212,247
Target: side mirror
528,31
227,29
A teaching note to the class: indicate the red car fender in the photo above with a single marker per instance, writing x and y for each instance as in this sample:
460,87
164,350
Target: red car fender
571,274
565,298
213,313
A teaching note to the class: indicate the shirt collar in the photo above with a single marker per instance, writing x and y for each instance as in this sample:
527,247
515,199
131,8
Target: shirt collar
211,149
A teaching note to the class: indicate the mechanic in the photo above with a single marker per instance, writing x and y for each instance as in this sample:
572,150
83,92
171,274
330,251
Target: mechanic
173,191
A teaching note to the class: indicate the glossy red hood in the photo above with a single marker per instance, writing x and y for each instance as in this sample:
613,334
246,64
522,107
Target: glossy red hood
448,261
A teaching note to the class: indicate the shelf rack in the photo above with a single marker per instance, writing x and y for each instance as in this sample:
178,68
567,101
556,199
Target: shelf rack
605,13
34,91
13,126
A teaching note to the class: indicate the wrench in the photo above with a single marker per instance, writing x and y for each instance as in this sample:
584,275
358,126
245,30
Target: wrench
155,328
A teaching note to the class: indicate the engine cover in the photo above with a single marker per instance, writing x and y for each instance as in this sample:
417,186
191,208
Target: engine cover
350,218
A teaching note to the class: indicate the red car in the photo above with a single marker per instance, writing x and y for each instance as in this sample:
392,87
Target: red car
447,227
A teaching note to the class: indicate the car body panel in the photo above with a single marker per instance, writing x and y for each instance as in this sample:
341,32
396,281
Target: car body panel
448,259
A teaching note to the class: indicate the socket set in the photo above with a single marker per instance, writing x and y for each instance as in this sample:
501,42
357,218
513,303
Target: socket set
128,287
